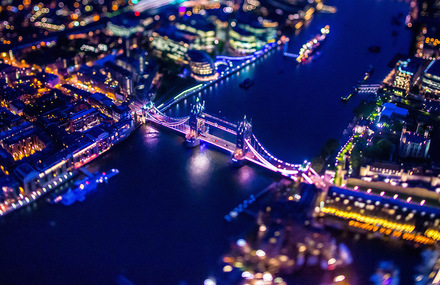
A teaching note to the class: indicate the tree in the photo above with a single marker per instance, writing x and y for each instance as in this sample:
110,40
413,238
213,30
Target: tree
318,164
381,149
384,148
364,109
329,147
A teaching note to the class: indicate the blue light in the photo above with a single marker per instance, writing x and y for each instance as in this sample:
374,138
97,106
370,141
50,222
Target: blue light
241,242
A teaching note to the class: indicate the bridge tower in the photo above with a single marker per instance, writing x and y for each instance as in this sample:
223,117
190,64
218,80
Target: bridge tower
196,124
145,110
244,132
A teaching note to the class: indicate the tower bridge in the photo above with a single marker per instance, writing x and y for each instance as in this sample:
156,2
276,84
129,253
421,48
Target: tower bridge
243,146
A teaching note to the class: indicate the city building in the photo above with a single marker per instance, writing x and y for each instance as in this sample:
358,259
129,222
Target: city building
263,30
8,120
169,42
202,66
84,120
243,41
97,78
48,79
388,175
197,24
413,145
431,80
23,140
124,27
406,72
390,110
123,77
431,45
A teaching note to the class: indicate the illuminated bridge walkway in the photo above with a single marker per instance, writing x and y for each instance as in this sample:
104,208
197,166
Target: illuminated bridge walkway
242,143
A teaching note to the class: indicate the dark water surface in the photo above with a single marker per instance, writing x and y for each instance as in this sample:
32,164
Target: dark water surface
160,221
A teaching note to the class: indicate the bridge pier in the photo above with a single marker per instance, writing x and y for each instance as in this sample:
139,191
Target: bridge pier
196,124
244,132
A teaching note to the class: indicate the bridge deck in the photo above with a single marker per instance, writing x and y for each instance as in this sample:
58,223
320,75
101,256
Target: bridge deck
215,119
218,142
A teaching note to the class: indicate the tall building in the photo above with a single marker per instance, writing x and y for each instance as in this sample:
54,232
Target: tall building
124,27
243,41
173,43
431,80
198,25
407,71
202,66
248,34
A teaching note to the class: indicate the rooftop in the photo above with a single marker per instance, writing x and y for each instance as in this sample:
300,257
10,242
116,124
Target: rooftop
390,109
434,68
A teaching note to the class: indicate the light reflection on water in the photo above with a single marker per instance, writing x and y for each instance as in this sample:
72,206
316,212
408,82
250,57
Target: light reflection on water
246,175
151,137
199,169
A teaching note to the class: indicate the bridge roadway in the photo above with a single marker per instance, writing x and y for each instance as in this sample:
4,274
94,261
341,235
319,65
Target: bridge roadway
264,159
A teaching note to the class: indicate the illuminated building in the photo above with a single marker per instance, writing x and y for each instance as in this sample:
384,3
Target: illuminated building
49,79
243,41
24,145
124,27
264,30
28,177
8,120
248,35
431,80
431,45
407,71
414,145
9,72
122,76
202,66
172,43
83,120
8,190
197,24
390,110
95,77
23,141
383,216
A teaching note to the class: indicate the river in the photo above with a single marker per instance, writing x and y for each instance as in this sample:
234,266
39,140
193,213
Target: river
160,221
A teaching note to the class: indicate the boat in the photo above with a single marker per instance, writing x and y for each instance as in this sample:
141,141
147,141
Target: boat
346,98
311,46
247,83
100,178
368,73
83,187
386,273
374,49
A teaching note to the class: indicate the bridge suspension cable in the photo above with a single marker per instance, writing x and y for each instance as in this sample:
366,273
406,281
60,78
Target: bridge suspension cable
167,121
268,164
269,155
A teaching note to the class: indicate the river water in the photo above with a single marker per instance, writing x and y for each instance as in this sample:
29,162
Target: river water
160,221
296,108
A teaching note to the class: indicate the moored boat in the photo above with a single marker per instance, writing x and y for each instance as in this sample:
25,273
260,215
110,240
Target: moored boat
311,46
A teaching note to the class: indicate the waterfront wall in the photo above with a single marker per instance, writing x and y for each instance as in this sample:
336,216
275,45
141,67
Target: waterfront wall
416,191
